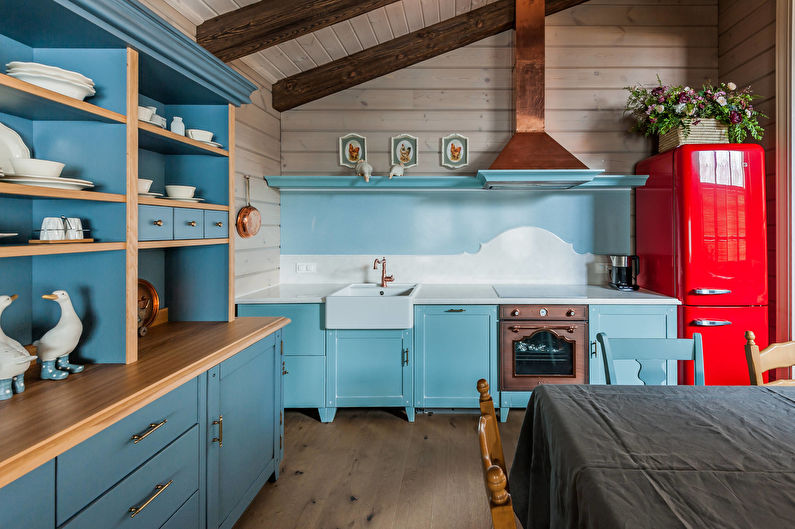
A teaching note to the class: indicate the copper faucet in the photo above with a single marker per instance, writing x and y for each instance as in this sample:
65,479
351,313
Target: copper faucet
384,278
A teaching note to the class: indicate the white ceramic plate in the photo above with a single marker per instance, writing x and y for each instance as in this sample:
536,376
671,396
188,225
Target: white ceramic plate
214,144
58,183
35,71
194,199
3,235
150,194
11,146
78,91
52,70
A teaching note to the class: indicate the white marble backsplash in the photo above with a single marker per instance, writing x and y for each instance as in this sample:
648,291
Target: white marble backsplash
519,255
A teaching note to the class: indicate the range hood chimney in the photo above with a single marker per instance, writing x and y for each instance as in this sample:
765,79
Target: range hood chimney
531,149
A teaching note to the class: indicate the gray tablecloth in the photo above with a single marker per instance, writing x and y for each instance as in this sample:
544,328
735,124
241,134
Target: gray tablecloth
656,457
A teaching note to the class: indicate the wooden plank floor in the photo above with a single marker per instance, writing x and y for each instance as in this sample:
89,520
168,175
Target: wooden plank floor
371,468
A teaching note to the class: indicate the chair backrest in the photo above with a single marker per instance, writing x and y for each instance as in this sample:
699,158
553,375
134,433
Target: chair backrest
772,357
494,471
652,354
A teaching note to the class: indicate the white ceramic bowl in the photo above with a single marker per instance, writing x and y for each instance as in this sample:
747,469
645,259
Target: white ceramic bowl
200,135
34,167
145,113
144,185
180,191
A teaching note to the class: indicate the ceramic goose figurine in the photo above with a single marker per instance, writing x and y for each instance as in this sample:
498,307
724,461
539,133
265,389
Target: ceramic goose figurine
56,345
14,359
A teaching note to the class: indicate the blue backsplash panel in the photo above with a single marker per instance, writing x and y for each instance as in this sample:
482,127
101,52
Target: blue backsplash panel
449,223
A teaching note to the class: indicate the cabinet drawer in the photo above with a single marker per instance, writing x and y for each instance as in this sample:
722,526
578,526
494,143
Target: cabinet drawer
187,516
305,381
93,466
29,501
544,312
188,223
173,475
216,225
155,223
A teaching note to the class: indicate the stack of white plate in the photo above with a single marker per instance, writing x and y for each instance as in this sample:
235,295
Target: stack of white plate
64,82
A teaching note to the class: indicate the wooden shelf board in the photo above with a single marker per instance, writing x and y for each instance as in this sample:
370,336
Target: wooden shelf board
153,201
50,192
154,138
147,245
26,250
50,418
29,101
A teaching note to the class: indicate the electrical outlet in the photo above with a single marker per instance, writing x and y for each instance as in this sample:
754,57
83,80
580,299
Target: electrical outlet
305,268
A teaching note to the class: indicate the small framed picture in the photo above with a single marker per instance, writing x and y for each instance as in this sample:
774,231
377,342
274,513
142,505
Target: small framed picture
455,151
404,150
353,147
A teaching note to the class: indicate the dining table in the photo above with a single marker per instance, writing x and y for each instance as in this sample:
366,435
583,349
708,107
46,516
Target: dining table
609,457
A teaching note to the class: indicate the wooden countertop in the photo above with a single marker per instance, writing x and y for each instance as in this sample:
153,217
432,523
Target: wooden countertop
51,417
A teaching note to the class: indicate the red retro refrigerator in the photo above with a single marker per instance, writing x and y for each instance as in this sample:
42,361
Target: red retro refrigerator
701,237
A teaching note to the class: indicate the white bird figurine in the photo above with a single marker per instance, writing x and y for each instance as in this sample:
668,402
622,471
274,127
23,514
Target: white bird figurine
397,170
56,345
14,359
364,169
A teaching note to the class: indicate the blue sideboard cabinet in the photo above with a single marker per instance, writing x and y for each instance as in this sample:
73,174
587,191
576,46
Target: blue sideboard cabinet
369,368
29,502
626,321
454,346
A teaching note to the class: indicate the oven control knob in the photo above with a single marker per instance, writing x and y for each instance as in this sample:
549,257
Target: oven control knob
515,312
570,313
543,312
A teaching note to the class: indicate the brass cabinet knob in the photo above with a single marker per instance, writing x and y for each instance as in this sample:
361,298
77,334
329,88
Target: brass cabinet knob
515,312
158,222
570,313
192,223
219,224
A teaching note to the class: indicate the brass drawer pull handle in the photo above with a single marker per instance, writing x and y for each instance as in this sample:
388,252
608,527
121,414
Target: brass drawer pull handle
192,223
456,310
158,491
158,222
220,438
219,224
137,438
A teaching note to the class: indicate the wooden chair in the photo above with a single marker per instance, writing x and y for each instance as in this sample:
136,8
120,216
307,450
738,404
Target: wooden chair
773,356
494,471
651,353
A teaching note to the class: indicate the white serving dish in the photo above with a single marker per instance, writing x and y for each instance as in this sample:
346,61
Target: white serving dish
145,113
200,135
50,70
160,121
39,181
144,185
11,147
192,199
180,191
68,88
35,167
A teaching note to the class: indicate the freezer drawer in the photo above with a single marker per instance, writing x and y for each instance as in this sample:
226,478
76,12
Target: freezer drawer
723,332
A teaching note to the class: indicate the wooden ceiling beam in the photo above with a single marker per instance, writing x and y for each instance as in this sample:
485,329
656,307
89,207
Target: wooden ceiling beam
269,22
401,52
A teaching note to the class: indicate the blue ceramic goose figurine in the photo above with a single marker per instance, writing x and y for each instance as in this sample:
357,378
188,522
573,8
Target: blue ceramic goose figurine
56,345
14,359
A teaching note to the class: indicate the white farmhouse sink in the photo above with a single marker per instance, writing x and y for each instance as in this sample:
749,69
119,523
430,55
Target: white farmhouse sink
368,306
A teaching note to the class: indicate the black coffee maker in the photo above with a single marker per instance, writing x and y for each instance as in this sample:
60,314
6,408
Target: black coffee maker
624,272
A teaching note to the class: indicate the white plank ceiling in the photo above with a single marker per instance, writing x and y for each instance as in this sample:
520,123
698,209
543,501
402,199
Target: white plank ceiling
337,41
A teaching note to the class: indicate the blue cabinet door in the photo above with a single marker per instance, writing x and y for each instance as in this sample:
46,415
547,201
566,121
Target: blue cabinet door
244,415
304,381
369,368
29,501
454,347
627,321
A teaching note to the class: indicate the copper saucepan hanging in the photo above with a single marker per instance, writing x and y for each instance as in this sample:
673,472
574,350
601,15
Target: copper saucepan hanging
248,218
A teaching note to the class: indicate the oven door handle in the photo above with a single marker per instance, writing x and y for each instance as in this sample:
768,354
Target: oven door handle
568,328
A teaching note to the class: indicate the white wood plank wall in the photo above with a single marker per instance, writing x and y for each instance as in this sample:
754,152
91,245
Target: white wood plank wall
258,138
747,56
593,51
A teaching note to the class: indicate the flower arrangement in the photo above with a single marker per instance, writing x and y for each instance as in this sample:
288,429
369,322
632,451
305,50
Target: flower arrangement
659,109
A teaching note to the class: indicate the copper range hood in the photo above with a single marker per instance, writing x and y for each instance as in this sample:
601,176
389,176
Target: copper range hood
532,158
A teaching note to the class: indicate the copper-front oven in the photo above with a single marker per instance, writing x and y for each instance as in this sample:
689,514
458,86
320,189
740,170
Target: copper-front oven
542,344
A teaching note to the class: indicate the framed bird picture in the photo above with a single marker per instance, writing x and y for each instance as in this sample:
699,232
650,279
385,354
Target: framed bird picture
455,151
404,150
353,148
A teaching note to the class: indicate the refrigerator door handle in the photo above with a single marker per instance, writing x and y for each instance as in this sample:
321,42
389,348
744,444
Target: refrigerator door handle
710,323
710,291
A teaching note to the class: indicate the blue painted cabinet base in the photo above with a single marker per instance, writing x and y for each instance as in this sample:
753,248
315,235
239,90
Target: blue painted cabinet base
327,414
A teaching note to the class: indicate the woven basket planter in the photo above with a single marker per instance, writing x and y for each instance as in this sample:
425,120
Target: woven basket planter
706,131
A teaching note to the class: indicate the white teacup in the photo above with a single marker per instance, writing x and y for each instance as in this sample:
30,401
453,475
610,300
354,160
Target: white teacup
144,185
74,229
52,229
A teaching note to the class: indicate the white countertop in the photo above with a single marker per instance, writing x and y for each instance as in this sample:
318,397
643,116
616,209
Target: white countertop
474,294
